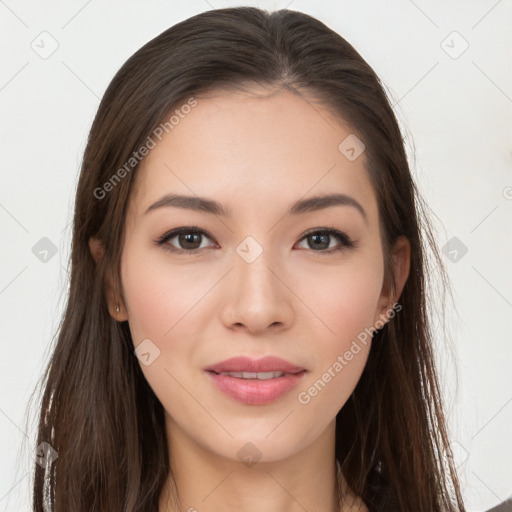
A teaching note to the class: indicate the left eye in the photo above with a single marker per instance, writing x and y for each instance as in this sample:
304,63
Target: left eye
190,240
321,239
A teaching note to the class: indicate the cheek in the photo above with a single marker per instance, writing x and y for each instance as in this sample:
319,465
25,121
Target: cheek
160,297
344,297
346,304
352,307
164,306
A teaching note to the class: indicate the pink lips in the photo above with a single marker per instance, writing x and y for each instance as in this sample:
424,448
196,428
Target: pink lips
246,364
253,391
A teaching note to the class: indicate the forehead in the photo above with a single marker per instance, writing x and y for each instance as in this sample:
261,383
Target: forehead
252,147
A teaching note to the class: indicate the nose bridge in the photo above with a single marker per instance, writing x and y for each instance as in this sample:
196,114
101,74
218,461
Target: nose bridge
252,264
258,298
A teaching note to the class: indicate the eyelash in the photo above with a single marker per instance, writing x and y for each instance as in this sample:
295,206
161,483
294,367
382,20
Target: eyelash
346,242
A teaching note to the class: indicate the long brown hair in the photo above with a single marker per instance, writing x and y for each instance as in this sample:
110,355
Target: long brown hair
98,412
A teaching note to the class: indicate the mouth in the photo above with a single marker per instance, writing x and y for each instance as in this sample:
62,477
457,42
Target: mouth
253,375
255,382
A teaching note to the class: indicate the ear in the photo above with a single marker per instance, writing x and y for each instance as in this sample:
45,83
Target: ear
401,261
114,301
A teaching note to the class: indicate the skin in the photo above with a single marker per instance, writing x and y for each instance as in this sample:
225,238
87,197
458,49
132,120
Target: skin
256,155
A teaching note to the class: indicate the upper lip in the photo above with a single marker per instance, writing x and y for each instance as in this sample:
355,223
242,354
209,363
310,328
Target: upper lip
246,364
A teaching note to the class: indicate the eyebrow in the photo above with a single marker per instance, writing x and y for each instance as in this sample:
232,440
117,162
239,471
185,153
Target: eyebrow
310,204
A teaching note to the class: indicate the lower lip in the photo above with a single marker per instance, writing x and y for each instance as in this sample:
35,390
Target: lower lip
255,391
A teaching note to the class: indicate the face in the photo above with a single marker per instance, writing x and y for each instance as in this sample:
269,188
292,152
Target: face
255,277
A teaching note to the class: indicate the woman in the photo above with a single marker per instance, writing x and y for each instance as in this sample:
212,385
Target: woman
246,327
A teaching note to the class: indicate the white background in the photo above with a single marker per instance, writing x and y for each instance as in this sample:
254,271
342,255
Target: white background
457,111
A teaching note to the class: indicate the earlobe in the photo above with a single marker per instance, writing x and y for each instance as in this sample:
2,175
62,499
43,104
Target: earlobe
118,311
116,306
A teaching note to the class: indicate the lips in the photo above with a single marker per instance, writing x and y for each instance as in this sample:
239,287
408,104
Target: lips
255,381
253,375
263,365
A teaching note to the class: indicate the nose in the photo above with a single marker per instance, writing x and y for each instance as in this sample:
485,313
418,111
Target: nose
257,296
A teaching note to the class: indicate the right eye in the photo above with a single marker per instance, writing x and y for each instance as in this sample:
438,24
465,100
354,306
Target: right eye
185,239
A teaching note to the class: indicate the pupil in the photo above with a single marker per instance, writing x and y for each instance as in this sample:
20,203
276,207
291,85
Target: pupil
318,237
188,238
